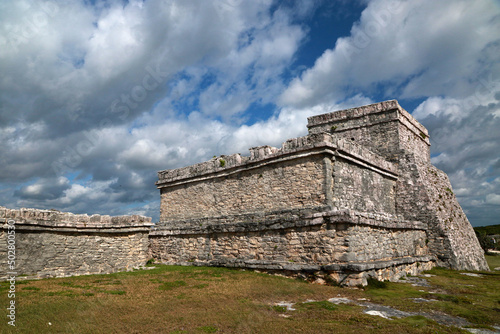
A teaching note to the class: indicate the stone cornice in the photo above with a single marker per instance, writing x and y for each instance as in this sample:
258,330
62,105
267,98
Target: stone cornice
295,148
56,221
343,116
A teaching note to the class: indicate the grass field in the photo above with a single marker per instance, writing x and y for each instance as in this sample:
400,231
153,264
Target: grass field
174,299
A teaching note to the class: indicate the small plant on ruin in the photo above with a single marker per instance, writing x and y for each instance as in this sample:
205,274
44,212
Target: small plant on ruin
331,281
222,162
423,135
333,128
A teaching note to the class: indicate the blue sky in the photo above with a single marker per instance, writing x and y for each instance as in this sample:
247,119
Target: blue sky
97,96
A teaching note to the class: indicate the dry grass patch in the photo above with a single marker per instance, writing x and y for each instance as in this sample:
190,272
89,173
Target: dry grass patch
174,299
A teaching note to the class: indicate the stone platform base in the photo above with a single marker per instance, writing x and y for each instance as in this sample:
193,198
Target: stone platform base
355,274
345,274
342,246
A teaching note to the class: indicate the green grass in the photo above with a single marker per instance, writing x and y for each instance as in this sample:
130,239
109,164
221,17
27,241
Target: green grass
324,304
176,299
278,308
477,299
208,329
493,261
115,292
172,285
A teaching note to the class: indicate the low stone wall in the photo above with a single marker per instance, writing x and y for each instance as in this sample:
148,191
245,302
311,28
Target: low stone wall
50,243
345,245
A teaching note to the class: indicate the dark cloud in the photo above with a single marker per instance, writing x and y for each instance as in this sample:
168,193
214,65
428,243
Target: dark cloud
465,141
95,100
465,144
44,189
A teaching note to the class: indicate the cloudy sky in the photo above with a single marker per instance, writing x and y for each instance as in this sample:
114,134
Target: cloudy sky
97,96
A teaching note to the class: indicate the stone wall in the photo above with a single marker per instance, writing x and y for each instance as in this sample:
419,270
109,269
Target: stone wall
312,244
291,184
373,131
413,139
358,188
356,198
300,174
51,243
381,244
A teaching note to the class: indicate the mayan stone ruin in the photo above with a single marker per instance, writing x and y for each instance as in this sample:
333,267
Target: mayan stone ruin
356,198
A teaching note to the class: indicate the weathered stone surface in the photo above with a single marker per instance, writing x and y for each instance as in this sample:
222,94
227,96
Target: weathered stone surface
357,197
423,193
52,243
383,127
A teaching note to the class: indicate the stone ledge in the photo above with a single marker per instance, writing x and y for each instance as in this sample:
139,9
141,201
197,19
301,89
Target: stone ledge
23,226
280,220
171,178
287,266
369,218
51,220
365,266
243,218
